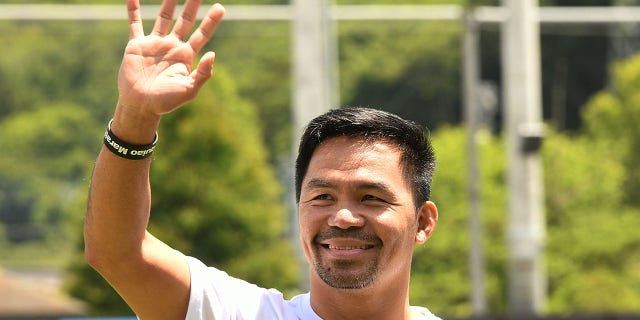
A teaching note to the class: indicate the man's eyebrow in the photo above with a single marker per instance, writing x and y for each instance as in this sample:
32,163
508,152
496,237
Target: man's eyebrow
380,186
364,185
318,183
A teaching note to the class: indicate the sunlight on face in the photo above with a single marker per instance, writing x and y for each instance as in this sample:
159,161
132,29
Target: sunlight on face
357,216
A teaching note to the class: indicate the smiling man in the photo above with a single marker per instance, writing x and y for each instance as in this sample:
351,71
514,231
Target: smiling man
362,186
363,183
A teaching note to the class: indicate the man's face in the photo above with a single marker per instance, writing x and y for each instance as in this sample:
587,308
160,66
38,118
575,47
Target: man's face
358,223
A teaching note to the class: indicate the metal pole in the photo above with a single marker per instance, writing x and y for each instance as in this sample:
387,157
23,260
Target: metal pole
471,77
521,80
311,84
311,69
483,14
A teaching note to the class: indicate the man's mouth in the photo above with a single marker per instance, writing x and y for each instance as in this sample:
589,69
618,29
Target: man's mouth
334,247
347,239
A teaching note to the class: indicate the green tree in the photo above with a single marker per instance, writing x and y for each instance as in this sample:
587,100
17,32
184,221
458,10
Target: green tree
214,197
53,62
612,118
257,53
390,64
591,262
42,182
217,189
440,278
598,272
43,162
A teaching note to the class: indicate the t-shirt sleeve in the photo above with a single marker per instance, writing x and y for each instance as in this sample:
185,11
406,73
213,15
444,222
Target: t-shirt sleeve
216,295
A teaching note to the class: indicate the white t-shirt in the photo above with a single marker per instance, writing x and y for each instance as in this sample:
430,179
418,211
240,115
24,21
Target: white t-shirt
216,295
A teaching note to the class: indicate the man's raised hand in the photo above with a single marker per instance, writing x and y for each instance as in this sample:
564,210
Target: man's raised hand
157,74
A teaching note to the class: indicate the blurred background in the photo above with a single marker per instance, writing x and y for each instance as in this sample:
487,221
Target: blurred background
222,171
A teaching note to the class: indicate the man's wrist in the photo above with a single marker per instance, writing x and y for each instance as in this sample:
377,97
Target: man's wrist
134,126
125,149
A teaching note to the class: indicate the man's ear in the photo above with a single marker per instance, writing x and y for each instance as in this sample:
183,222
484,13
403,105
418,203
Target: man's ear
427,219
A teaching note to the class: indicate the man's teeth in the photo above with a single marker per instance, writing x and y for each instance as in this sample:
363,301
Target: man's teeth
347,248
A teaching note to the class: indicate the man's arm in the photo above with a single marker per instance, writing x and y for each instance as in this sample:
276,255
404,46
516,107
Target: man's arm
155,78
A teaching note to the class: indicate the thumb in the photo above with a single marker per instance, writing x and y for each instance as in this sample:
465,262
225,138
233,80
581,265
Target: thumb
203,71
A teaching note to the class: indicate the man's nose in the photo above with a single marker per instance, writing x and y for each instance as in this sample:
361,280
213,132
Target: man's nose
346,218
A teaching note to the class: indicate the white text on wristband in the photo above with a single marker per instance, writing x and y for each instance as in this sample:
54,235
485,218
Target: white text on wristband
127,150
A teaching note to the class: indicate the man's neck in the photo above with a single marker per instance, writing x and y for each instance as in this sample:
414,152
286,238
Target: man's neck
376,302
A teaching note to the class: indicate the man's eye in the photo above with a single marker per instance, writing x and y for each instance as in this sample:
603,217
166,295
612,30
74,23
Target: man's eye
323,197
371,198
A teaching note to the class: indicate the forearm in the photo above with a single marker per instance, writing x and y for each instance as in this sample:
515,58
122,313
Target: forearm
151,277
120,196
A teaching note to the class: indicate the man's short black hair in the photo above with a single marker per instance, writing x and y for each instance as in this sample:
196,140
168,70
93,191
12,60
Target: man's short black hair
417,156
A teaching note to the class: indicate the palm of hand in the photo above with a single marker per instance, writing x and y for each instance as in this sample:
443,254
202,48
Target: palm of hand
155,74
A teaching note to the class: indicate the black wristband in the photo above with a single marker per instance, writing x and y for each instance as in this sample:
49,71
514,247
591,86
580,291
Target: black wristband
127,150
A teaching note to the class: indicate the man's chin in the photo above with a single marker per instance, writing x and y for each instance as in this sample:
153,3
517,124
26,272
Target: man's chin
347,280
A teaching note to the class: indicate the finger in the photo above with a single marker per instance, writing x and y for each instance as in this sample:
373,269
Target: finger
204,71
165,18
187,19
207,27
135,19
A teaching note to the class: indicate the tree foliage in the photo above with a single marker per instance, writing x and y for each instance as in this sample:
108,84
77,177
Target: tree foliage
612,118
216,190
54,63
42,167
257,54
393,66
591,262
440,270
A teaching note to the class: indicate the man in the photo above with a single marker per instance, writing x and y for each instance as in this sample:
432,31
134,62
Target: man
362,187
